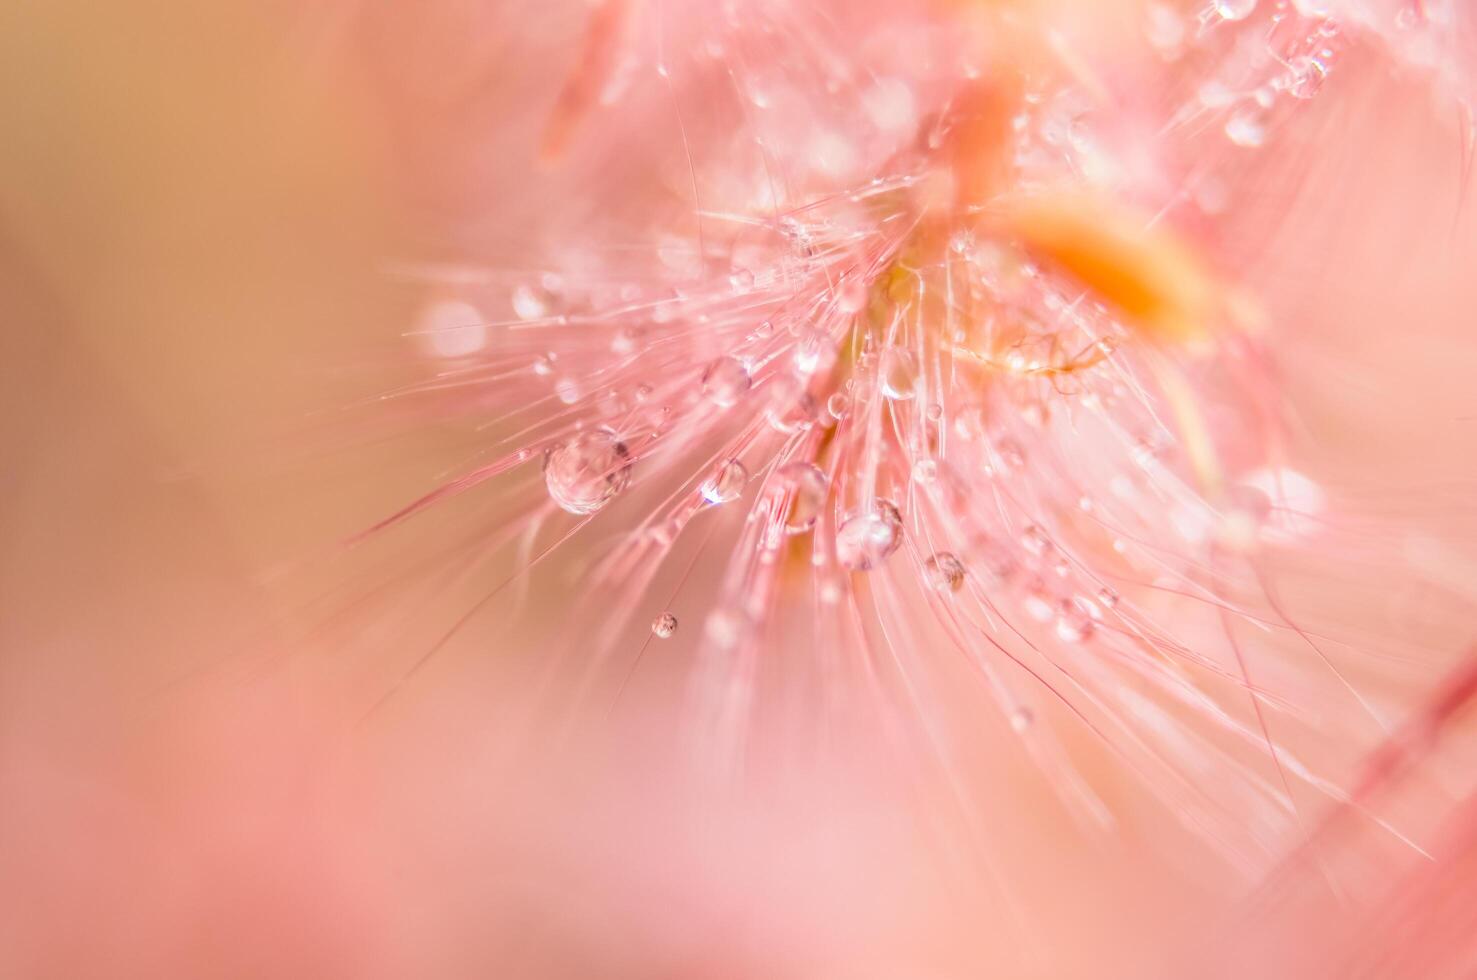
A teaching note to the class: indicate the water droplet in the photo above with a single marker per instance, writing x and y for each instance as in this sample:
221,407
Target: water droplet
726,381
807,487
891,106
867,539
453,328
568,390
1235,9
530,302
1073,625
1037,603
664,626
586,473
1164,28
1021,719
838,405
1305,77
725,628
945,572
925,471
1107,598
543,365
898,374
790,409
851,295
725,483
1035,541
1246,127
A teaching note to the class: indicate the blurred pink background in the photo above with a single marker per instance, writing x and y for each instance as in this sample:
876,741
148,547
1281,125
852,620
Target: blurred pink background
198,206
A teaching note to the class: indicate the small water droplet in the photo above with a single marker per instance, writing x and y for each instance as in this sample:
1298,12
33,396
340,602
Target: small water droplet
1035,541
1235,9
543,365
1246,127
867,539
1021,720
726,381
945,572
725,483
664,626
925,471
530,302
586,473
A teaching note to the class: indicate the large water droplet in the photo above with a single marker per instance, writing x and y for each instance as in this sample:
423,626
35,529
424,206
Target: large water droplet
867,539
726,381
725,483
586,473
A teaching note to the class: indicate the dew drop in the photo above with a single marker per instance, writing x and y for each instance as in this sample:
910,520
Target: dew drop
454,328
1021,720
568,390
726,381
725,483
925,471
899,375
807,486
543,365
945,572
1073,625
1035,541
588,472
791,408
1246,127
724,628
867,539
1235,9
851,295
664,626
1305,77
530,302
1038,604
1164,28
838,405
